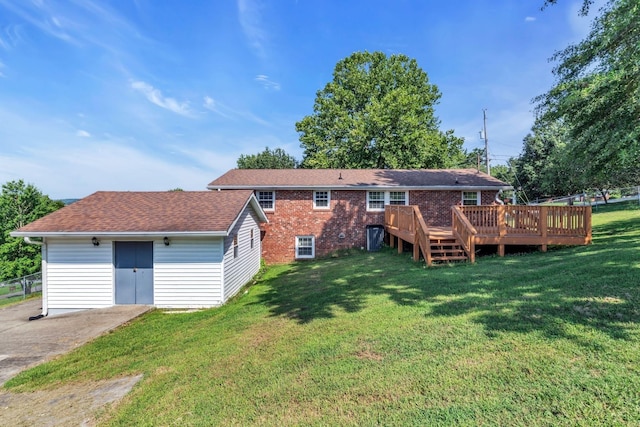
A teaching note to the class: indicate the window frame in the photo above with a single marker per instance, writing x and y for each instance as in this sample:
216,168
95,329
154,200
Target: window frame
328,199
386,199
252,238
405,199
478,198
369,208
272,199
235,246
312,246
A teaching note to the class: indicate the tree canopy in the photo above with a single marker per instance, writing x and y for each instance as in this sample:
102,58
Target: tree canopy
267,159
377,112
20,204
597,96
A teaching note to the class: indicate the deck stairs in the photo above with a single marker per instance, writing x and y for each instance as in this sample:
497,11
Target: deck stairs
444,247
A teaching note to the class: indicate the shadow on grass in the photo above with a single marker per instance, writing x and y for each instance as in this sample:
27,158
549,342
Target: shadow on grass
552,293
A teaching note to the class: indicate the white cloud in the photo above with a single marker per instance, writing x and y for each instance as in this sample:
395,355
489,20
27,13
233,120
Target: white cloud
231,113
154,96
250,17
107,165
266,83
83,133
529,19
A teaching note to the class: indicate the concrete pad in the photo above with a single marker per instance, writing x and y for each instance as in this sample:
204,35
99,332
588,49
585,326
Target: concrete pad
25,343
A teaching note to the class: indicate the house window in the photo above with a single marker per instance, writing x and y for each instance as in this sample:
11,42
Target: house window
252,238
375,200
321,199
235,246
398,198
470,198
267,200
305,246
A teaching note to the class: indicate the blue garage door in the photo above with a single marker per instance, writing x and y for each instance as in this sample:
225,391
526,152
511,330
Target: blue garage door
134,272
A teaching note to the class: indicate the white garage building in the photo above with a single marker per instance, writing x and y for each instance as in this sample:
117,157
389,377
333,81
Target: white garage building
175,249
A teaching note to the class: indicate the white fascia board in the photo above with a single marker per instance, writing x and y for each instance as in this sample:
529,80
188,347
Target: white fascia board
458,187
127,234
256,207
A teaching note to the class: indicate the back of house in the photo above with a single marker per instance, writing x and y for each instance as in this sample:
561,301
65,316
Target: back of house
313,212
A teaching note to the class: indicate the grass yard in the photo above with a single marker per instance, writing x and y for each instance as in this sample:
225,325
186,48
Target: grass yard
375,339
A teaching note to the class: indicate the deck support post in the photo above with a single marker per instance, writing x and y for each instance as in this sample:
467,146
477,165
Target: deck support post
500,250
400,245
544,224
392,240
416,249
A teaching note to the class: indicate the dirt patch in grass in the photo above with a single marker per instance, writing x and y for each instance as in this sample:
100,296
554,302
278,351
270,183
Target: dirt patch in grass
73,404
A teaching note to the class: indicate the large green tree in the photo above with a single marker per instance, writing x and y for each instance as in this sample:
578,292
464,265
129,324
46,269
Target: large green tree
267,159
377,112
539,168
597,96
20,204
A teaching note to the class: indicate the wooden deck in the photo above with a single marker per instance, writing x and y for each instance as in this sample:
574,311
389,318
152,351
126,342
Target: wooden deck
499,225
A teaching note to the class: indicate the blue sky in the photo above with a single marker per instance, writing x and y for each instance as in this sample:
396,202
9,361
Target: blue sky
158,94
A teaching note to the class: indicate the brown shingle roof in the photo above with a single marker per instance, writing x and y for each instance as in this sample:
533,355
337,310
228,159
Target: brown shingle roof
356,178
207,212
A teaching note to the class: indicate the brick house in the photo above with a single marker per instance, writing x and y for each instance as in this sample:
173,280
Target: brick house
313,212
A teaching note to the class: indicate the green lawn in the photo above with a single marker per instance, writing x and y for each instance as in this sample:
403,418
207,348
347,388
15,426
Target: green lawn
537,339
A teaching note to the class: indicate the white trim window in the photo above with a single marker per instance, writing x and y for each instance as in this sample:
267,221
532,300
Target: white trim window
267,200
235,246
398,198
321,199
251,237
376,200
470,198
305,247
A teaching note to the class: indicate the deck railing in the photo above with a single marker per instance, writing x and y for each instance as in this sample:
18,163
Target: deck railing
408,222
513,220
465,232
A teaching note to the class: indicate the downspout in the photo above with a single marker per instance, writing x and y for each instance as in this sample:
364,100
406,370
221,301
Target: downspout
45,305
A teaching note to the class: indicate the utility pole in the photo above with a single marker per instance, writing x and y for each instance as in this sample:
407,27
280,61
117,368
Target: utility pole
486,140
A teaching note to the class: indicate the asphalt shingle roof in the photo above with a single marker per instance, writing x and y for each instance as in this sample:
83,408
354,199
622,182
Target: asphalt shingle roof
145,212
355,178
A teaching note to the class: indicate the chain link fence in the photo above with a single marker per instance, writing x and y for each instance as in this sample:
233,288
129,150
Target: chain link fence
594,197
21,286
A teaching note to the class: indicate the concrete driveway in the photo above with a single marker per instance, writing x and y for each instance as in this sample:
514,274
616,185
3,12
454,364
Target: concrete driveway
25,343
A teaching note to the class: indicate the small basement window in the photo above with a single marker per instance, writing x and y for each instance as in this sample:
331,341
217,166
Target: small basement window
305,247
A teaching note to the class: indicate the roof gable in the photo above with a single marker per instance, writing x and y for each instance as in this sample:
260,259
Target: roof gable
357,178
169,212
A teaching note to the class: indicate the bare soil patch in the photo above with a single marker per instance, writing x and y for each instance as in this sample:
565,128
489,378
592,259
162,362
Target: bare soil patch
68,405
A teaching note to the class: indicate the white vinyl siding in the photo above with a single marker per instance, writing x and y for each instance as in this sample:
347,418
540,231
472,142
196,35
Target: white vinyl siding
321,199
376,200
188,273
79,275
238,271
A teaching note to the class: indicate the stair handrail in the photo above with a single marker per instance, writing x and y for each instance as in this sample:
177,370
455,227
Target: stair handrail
464,231
422,234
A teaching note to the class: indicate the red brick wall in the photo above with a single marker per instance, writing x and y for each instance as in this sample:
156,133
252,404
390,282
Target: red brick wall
294,215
